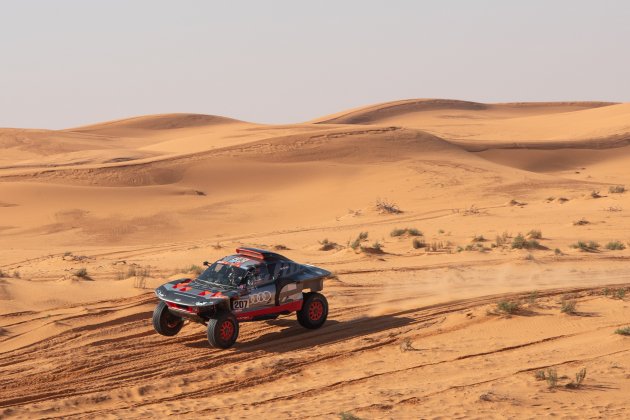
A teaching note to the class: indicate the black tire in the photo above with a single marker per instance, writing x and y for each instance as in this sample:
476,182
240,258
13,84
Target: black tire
314,311
222,330
164,322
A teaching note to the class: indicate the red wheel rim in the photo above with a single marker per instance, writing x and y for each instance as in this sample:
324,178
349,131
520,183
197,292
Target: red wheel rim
227,330
316,310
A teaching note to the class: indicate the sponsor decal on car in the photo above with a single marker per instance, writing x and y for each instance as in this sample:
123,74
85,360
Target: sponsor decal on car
262,297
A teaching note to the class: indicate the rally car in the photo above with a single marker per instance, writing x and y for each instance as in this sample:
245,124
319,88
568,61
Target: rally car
251,285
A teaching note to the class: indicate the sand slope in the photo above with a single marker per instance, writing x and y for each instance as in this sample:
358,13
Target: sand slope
413,330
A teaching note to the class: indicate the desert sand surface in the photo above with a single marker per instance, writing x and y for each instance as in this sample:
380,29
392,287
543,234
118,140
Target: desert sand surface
496,257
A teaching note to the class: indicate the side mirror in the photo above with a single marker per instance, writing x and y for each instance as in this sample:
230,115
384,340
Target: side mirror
206,263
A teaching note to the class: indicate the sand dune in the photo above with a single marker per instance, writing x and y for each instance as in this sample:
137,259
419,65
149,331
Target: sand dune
413,330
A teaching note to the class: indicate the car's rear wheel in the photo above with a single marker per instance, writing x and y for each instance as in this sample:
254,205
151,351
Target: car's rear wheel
164,322
314,311
222,330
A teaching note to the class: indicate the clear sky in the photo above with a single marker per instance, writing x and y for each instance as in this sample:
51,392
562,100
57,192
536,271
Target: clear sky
65,63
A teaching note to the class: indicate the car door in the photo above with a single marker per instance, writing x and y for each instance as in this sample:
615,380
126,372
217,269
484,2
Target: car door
260,291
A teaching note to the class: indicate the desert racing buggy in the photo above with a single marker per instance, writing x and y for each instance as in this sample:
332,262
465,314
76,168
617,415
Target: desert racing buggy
251,285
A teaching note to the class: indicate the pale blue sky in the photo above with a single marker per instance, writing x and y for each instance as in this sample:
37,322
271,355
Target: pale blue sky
66,63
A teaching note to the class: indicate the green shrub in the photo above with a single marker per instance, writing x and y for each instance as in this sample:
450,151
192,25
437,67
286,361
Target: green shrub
540,375
398,232
508,307
590,246
519,242
623,331
82,273
414,232
615,246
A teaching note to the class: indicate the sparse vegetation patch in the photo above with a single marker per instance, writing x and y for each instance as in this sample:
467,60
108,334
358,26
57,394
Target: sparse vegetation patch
388,207
617,189
405,231
520,242
590,246
508,307
615,246
327,245
623,331
568,307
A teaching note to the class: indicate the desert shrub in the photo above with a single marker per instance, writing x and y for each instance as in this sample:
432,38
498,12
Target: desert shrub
16,274
357,242
348,416
280,247
384,206
502,239
478,238
398,232
579,378
613,209
540,375
557,251
534,234
531,298
131,271
82,273
620,293
623,331
581,222
440,231
418,243
595,194
67,254
568,307
562,200
552,378
3,274
327,245
508,307
590,246
519,242
615,246
617,189
408,231
376,248
436,246
529,257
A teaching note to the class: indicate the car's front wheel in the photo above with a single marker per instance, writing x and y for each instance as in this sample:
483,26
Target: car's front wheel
222,330
164,322
314,311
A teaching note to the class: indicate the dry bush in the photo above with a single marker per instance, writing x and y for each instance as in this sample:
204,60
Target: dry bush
579,378
280,247
388,207
418,243
617,189
568,307
478,238
327,245
552,378
613,209
595,194
82,273
534,234
623,331
376,248
581,222
357,242
405,231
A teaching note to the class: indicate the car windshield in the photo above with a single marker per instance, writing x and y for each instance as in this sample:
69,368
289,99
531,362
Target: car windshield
222,274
